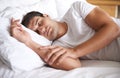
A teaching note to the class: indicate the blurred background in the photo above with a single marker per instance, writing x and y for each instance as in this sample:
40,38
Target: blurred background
111,6
119,12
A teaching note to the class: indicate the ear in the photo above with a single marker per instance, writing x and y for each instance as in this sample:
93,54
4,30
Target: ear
45,15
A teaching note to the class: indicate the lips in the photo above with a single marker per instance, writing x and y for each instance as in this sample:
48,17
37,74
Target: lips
48,31
45,31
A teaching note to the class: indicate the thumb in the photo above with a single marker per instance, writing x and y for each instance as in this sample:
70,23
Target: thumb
44,47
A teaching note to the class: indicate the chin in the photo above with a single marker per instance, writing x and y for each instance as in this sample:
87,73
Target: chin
51,38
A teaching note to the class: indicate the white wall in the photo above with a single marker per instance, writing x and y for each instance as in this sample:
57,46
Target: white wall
119,12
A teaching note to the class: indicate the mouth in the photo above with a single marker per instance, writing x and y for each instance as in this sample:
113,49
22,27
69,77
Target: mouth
37,31
48,31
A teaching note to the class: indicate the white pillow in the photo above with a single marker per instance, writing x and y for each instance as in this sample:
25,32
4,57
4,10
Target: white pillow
16,54
43,6
14,3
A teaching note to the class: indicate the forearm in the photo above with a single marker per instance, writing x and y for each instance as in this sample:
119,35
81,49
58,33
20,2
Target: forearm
35,47
101,39
67,64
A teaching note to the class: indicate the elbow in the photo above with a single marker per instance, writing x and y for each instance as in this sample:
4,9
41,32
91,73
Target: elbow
116,30
112,29
73,67
68,64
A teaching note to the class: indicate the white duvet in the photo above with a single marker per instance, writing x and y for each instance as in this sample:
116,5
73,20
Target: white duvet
90,69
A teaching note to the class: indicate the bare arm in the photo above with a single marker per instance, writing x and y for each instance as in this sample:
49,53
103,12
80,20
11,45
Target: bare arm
67,64
106,31
23,36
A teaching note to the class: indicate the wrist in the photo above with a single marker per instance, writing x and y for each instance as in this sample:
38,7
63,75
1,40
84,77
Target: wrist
28,43
33,45
75,52
78,52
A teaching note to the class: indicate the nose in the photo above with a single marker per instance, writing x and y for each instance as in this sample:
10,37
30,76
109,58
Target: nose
41,30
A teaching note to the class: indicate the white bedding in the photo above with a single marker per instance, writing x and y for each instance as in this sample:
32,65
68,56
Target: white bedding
90,69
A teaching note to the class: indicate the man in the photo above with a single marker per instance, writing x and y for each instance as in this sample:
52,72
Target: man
19,33
85,30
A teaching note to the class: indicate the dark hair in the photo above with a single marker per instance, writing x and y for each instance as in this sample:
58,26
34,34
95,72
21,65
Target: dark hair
26,19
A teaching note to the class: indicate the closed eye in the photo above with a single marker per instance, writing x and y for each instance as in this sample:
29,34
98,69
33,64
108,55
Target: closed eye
39,24
36,22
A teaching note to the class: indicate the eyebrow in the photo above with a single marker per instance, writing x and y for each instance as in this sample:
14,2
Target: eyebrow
32,23
36,21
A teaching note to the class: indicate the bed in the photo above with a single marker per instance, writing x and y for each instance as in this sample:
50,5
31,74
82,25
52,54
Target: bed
56,9
90,69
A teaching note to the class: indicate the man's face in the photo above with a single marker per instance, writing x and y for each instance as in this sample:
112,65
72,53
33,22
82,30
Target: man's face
44,26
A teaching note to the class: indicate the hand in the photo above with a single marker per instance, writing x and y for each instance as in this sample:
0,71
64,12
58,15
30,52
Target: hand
14,23
57,54
18,32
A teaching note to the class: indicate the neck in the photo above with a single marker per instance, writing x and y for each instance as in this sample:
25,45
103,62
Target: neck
62,29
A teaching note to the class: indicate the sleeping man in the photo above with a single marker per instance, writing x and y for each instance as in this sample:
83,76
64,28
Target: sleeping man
85,32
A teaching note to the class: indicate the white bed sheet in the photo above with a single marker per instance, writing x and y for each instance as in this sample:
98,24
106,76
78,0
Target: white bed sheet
90,69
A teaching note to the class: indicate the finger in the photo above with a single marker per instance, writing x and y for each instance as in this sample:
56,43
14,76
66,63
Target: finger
52,51
17,20
52,47
12,19
48,47
18,24
21,29
44,47
56,48
15,25
48,55
56,56
15,31
61,58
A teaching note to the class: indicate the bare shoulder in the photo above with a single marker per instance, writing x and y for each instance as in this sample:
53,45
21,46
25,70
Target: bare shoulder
97,17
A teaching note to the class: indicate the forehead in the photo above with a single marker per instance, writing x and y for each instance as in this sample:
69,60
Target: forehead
34,19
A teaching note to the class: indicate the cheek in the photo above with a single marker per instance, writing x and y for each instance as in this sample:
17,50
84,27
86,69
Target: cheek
45,22
33,28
